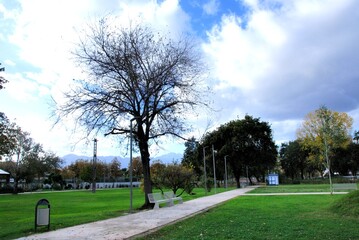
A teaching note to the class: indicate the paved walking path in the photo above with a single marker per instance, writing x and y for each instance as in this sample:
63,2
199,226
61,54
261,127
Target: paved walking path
140,223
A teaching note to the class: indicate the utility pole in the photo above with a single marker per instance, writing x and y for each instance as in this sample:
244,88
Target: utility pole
225,171
94,165
131,165
204,170
214,170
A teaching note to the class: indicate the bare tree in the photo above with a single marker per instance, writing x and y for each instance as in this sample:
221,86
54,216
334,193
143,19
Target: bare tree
135,74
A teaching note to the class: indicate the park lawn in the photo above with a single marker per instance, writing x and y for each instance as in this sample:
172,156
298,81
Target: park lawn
267,217
292,188
17,212
66,209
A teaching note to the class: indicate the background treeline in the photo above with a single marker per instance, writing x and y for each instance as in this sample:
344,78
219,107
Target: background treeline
23,158
297,164
242,148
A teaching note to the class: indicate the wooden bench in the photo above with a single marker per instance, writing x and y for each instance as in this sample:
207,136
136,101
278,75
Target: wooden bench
170,195
157,199
345,186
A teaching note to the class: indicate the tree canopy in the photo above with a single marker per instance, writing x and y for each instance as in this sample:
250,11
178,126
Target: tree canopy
294,159
246,143
174,176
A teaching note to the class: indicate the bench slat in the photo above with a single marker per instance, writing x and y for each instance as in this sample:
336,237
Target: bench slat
157,199
170,195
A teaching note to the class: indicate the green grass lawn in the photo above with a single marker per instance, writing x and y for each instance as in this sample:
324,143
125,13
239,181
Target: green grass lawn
66,209
267,217
294,188
248,217
17,212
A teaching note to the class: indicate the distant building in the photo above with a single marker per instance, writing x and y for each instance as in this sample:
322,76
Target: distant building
273,179
4,178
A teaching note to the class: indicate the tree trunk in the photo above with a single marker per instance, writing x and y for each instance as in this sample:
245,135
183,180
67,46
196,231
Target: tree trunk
302,173
16,186
250,180
237,182
236,173
145,158
328,164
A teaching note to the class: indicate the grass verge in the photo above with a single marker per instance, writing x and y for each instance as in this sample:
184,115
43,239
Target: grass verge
294,188
267,217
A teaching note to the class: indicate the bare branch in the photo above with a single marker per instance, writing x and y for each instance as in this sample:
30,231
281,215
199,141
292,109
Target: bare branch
135,73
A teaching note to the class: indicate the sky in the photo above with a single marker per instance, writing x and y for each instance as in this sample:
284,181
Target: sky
273,59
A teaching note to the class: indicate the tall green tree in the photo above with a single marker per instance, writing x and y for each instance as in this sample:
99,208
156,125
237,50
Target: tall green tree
135,74
247,143
346,160
354,158
322,132
293,159
192,157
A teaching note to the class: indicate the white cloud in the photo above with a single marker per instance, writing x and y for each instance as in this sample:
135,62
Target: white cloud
280,61
166,16
287,59
211,7
44,33
20,88
9,62
292,49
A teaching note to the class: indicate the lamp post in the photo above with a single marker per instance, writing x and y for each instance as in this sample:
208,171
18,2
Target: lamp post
204,169
130,170
225,171
214,170
247,175
94,165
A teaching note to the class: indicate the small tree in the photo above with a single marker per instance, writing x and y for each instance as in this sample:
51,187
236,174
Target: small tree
175,177
137,168
323,131
115,168
157,176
